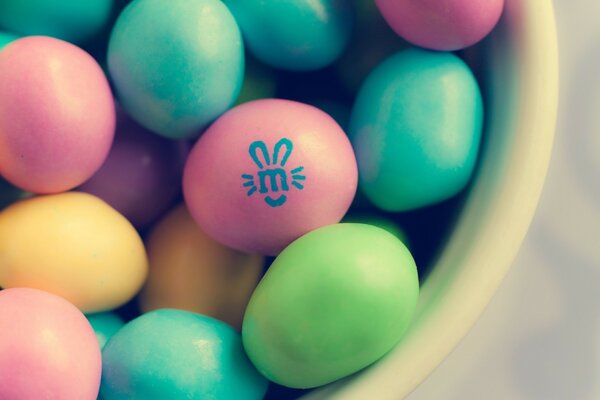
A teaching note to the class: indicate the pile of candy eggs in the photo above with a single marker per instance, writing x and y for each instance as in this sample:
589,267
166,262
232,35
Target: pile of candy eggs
179,214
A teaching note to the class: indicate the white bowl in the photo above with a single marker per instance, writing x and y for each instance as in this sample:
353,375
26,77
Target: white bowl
522,94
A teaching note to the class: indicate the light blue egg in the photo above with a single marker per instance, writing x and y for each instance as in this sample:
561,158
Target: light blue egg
416,128
176,65
173,354
105,325
296,35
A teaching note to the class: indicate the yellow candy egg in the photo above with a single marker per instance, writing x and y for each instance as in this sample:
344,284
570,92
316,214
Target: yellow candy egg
191,271
73,245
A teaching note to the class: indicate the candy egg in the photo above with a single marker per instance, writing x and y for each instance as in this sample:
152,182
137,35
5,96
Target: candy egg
57,116
177,64
191,271
294,34
442,24
141,175
73,245
47,349
333,302
72,20
416,127
105,325
173,354
267,172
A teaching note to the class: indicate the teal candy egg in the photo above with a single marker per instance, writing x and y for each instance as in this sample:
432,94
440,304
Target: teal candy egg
296,35
416,128
173,354
105,325
71,20
177,64
333,302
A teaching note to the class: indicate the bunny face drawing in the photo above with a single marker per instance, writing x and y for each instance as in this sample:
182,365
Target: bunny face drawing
272,174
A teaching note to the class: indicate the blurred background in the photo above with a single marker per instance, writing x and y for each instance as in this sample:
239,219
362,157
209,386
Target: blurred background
540,336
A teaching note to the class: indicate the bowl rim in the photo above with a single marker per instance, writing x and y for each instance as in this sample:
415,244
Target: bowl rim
493,226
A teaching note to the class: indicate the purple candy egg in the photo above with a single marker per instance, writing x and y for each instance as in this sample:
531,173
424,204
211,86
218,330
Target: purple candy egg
142,174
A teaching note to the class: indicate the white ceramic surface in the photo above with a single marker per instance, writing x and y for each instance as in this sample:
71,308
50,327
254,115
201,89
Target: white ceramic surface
540,336
522,95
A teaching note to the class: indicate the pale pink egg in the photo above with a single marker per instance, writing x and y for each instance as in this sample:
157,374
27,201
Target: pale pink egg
441,24
48,350
267,172
57,115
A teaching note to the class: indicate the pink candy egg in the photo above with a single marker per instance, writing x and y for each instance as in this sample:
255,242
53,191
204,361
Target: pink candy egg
441,24
267,172
57,115
48,350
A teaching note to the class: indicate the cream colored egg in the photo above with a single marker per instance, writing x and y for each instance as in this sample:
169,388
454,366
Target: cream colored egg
73,245
191,271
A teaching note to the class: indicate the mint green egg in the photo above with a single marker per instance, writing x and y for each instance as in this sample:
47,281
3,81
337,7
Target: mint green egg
105,325
172,354
176,65
298,35
71,20
333,302
416,129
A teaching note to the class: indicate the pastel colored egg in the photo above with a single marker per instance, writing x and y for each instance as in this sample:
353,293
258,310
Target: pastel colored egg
267,172
72,20
191,271
57,116
333,302
48,349
141,175
176,65
105,325
296,35
416,127
442,24
174,354
73,245
6,38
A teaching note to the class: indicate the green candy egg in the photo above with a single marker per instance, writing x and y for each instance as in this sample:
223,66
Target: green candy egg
333,302
105,325
416,127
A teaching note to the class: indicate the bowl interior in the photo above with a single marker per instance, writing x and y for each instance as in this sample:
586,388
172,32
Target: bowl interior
520,83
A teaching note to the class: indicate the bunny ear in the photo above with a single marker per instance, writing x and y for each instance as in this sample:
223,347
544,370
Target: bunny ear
289,146
253,150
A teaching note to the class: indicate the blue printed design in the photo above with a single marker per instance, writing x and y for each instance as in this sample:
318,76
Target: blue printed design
272,175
